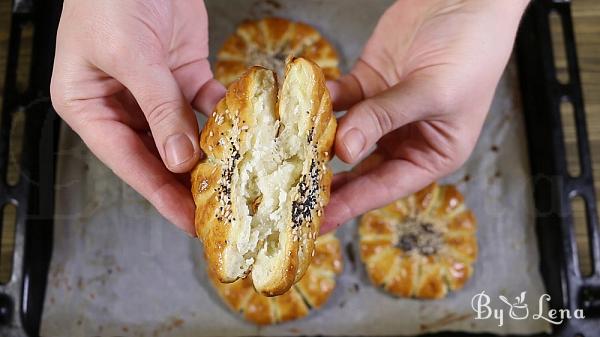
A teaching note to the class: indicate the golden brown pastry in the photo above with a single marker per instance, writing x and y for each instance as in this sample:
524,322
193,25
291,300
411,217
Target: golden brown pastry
310,293
261,188
268,42
420,246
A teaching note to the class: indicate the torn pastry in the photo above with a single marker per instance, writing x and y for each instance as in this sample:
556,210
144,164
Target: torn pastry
262,186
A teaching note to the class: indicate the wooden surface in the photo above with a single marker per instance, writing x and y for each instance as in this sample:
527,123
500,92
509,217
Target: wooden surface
4,31
586,14
7,233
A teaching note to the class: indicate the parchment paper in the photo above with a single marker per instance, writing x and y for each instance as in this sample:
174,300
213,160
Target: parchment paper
119,269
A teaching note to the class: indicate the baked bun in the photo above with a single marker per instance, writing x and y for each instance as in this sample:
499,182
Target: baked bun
261,188
310,293
268,42
421,246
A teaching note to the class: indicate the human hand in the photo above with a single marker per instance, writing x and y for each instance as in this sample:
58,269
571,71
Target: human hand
419,94
126,76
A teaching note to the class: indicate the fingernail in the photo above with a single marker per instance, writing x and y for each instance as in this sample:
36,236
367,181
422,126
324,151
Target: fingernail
178,149
354,141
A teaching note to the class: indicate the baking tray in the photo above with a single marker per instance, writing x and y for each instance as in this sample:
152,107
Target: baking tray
21,299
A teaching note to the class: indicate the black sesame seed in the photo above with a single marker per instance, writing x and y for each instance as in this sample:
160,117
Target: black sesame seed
408,242
309,138
427,227
420,236
307,201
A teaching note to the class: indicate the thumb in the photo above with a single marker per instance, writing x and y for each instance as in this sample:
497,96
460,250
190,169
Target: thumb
369,120
169,115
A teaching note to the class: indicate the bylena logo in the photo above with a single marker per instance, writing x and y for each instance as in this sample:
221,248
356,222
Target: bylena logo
519,310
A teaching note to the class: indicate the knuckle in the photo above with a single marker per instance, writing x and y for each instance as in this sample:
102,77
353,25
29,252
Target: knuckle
462,155
115,55
380,116
444,98
60,95
159,111
57,97
123,55
446,162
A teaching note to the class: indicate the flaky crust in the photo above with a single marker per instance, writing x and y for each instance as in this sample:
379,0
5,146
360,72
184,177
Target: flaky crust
309,294
267,42
420,246
224,140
